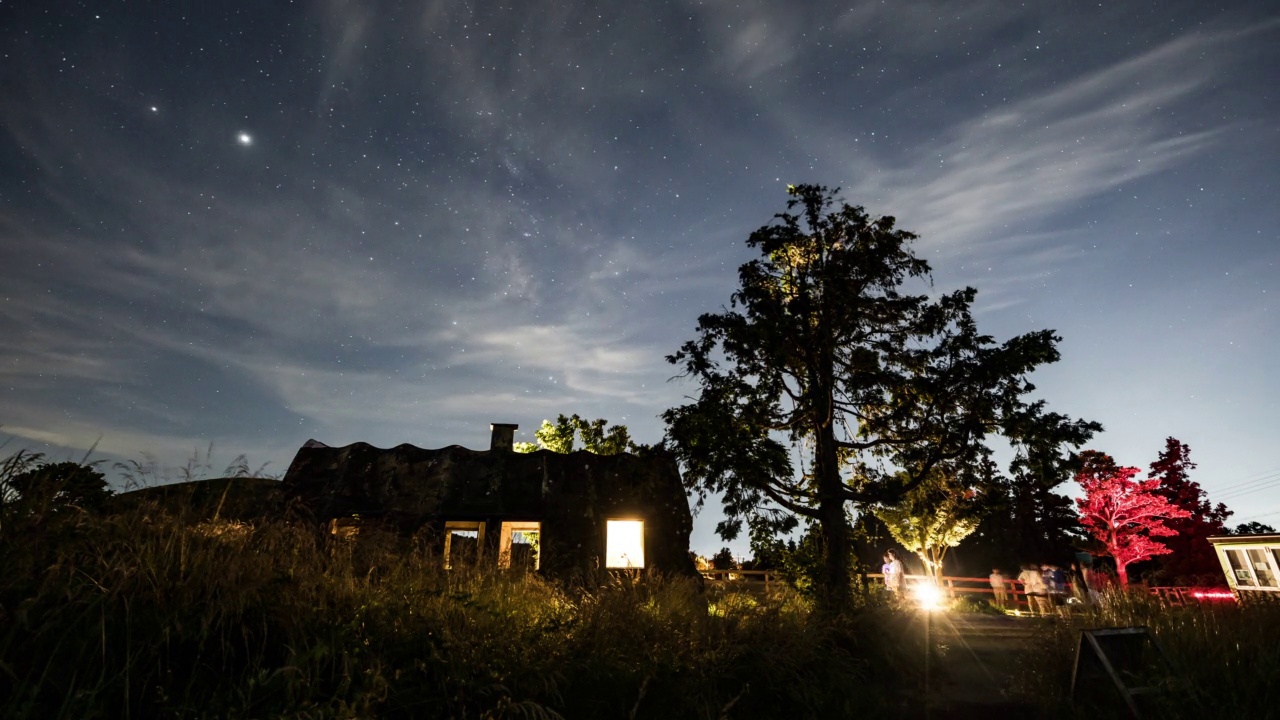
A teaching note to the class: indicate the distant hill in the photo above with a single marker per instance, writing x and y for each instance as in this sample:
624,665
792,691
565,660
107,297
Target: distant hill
237,498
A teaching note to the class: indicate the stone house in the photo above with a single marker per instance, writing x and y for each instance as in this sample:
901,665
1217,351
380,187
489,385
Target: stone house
567,515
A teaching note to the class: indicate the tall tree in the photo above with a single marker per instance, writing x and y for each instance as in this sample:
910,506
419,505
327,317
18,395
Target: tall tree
1191,557
823,352
1123,514
1027,518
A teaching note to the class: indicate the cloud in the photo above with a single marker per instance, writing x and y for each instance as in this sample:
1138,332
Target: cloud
751,39
1031,159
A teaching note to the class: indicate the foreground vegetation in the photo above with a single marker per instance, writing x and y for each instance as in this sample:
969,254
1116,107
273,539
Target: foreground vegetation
150,612
150,608
1221,659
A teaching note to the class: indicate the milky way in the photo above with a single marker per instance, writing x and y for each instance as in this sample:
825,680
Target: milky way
250,224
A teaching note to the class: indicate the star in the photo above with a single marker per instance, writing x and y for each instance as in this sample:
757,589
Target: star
244,139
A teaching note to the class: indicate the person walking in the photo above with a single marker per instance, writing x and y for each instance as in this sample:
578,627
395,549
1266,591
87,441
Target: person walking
1058,584
1033,585
895,576
999,588
1079,588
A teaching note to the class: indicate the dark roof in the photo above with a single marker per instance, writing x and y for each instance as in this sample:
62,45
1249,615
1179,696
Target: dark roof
1245,539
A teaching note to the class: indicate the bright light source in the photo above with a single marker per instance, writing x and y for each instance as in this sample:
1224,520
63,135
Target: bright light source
624,544
1213,595
927,596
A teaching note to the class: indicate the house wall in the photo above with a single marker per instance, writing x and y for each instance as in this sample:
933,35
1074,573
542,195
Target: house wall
572,495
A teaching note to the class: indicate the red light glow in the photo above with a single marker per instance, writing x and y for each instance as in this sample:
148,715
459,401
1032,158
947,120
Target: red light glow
1213,595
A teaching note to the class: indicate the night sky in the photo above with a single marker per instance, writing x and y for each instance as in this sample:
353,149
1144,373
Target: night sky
254,223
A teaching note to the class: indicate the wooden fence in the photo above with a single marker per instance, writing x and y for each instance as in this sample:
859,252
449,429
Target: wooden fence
975,588
768,580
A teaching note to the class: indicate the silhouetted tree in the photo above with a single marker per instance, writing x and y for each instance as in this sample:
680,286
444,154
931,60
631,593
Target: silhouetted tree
62,484
1191,558
723,560
821,349
1252,528
33,492
1124,515
1025,518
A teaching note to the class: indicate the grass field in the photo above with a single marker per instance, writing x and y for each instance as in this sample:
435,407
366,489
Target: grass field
150,612
150,609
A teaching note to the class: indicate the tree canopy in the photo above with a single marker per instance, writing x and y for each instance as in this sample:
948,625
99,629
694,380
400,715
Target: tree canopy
935,516
31,487
827,384
596,437
1191,559
1025,517
1123,514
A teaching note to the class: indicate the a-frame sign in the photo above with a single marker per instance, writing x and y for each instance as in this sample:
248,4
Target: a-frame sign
1124,656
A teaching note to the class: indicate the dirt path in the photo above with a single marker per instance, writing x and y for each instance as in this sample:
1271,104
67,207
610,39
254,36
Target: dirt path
974,664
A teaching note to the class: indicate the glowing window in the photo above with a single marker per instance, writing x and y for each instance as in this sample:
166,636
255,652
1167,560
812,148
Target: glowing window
520,545
624,544
463,543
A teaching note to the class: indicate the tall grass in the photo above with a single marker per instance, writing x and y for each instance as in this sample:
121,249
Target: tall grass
156,612
1224,660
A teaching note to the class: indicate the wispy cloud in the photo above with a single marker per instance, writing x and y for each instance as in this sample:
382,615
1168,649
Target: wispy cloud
1031,159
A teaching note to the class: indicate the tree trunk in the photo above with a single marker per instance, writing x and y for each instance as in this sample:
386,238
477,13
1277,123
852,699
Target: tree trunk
1122,572
836,593
837,580
935,565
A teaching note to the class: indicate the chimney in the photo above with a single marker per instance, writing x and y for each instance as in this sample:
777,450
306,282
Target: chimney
503,437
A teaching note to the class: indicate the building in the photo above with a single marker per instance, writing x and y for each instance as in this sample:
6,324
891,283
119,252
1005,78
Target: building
567,515
1251,564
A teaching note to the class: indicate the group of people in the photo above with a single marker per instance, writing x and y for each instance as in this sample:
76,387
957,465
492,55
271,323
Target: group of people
1046,587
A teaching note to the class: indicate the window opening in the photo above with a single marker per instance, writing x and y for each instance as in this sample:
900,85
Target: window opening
521,546
624,544
463,543
1262,568
1244,578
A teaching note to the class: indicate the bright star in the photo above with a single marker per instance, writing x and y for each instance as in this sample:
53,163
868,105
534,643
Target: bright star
244,139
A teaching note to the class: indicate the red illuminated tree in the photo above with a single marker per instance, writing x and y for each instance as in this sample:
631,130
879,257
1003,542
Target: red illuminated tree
1123,514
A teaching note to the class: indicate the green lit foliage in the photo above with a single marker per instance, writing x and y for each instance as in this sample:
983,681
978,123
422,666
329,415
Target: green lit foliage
934,516
596,436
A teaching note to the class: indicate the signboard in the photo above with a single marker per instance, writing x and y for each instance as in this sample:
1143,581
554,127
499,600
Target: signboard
1125,659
